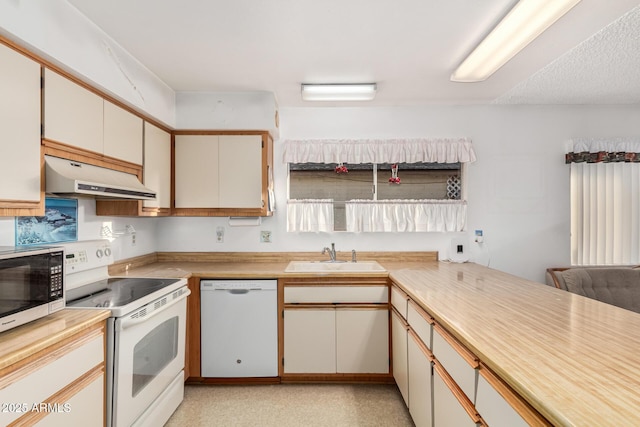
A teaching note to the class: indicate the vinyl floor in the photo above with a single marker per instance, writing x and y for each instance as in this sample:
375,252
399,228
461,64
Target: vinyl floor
296,405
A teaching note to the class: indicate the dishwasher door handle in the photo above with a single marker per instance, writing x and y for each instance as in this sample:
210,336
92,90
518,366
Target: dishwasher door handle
236,291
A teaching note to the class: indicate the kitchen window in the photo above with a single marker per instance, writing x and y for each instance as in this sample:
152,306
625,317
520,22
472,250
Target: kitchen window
365,196
362,182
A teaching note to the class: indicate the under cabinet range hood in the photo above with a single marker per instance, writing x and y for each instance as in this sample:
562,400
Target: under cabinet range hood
70,177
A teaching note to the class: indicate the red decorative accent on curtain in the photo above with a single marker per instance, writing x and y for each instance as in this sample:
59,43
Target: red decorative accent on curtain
603,150
602,157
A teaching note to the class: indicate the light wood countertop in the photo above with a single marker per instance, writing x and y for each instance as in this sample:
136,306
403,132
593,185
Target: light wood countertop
572,358
26,340
253,265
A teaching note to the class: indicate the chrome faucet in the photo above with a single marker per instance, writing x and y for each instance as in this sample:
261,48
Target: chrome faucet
332,252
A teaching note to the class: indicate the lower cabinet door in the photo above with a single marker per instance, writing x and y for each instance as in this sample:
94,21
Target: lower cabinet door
85,408
400,358
447,409
362,340
494,409
420,383
309,341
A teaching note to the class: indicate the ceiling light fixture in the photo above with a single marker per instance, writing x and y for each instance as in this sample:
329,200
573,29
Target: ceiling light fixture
338,92
526,21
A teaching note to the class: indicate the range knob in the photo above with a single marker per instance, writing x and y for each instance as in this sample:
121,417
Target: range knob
99,253
107,252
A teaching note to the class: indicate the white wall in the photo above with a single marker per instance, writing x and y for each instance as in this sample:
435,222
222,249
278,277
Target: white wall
226,111
59,33
518,189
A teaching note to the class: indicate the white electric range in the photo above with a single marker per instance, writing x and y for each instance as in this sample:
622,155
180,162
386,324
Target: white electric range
145,333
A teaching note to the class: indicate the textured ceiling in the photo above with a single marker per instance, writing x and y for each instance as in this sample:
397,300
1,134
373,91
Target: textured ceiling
408,47
603,69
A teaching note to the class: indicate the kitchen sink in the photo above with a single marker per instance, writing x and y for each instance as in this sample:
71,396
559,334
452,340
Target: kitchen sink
323,266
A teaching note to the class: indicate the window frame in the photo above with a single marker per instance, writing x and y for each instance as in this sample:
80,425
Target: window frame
461,168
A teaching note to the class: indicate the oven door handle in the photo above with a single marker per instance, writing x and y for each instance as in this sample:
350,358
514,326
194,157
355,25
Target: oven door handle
129,321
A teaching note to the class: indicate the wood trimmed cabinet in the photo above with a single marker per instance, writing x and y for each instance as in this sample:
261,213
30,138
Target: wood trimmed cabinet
222,173
399,343
192,360
60,115
335,329
74,368
21,189
72,114
156,175
157,168
447,384
80,118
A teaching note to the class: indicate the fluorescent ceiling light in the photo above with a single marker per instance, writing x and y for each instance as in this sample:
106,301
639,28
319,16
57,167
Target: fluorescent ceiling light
526,21
338,92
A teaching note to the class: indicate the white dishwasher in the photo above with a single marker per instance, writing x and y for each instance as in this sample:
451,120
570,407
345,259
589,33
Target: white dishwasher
239,328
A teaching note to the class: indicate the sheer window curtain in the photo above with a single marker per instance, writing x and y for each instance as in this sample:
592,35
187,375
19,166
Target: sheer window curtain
605,202
310,215
405,215
379,215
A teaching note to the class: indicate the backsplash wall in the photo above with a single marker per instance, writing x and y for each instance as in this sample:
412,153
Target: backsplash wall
90,226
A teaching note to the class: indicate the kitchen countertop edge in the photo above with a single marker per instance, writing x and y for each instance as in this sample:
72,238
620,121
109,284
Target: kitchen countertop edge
26,340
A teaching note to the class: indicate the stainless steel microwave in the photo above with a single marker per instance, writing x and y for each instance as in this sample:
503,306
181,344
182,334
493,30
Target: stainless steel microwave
31,284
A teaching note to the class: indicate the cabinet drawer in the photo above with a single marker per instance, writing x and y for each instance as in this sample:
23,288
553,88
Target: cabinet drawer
456,360
399,300
421,323
60,368
336,294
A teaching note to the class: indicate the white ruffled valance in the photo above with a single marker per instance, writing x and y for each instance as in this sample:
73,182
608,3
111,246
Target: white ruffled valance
609,145
427,150
406,215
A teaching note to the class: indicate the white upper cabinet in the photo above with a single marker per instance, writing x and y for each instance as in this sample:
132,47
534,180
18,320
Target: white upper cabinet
122,134
73,115
240,171
19,130
157,165
196,171
221,174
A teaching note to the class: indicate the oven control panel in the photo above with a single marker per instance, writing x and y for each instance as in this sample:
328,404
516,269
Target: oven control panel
87,255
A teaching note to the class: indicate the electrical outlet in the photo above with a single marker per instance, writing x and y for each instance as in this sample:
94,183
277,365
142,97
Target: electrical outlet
219,234
133,239
265,236
458,251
